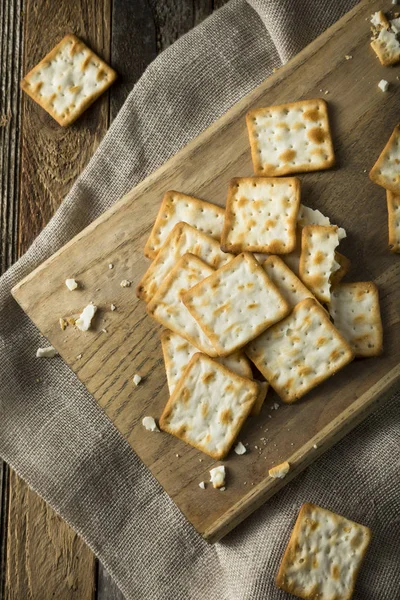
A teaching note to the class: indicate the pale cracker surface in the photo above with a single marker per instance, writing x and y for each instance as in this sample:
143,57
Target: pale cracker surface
209,406
181,208
355,311
323,556
289,285
235,304
299,352
317,259
386,170
68,80
177,353
182,239
167,308
261,215
290,138
393,205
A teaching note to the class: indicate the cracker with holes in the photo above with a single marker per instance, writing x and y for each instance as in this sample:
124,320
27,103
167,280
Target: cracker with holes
355,311
208,407
289,285
182,239
167,308
261,215
178,351
235,304
68,80
393,206
317,259
386,170
323,556
384,41
290,138
176,208
299,352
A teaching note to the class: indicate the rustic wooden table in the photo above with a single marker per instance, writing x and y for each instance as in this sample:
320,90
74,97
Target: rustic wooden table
40,556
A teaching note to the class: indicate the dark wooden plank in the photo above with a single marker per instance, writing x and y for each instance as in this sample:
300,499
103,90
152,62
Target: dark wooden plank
45,558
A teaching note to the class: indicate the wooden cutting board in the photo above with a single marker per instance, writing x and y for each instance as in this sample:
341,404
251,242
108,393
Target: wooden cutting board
362,119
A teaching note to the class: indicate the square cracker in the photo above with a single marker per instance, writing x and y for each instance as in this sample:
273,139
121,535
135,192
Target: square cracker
178,351
300,352
393,205
167,308
289,285
176,208
261,215
182,239
235,304
323,556
386,170
290,138
209,406
317,259
68,80
354,308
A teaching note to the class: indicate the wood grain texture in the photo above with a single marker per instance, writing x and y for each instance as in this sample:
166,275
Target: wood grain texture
48,559
132,342
44,558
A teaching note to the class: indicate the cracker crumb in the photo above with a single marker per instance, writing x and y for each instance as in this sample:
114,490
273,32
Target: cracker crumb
217,476
222,489
125,283
110,266
79,356
315,446
279,471
326,92
239,448
383,85
137,379
348,57
104,330
84,320
150,424
202,485
71,320
113,307
48,352
276,406
177,455
63,323
256,447
244,482
200,460
71,284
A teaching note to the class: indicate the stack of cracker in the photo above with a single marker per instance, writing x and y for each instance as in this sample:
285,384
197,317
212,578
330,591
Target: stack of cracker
259,280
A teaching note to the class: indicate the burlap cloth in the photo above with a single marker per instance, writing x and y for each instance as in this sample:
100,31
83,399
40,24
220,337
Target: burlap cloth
56,437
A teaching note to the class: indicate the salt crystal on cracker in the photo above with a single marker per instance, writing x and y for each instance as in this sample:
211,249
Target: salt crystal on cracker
355,311
235,304
290,138
323,556
261,215
177,207
317,259
68,80
167,308
386,170
182,239
178,351
209,406
393,205
299,352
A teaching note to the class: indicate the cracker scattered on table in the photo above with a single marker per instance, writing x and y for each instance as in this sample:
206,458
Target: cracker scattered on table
261,215
384,42
279,471
167,308
176,208
355,311
182,239
299,352
289,285
386,170
177,353
68,80
263,387
317,259
209,406
323,556
290,138
393,205
235,304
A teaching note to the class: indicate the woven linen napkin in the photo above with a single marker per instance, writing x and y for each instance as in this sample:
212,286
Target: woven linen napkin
56,437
